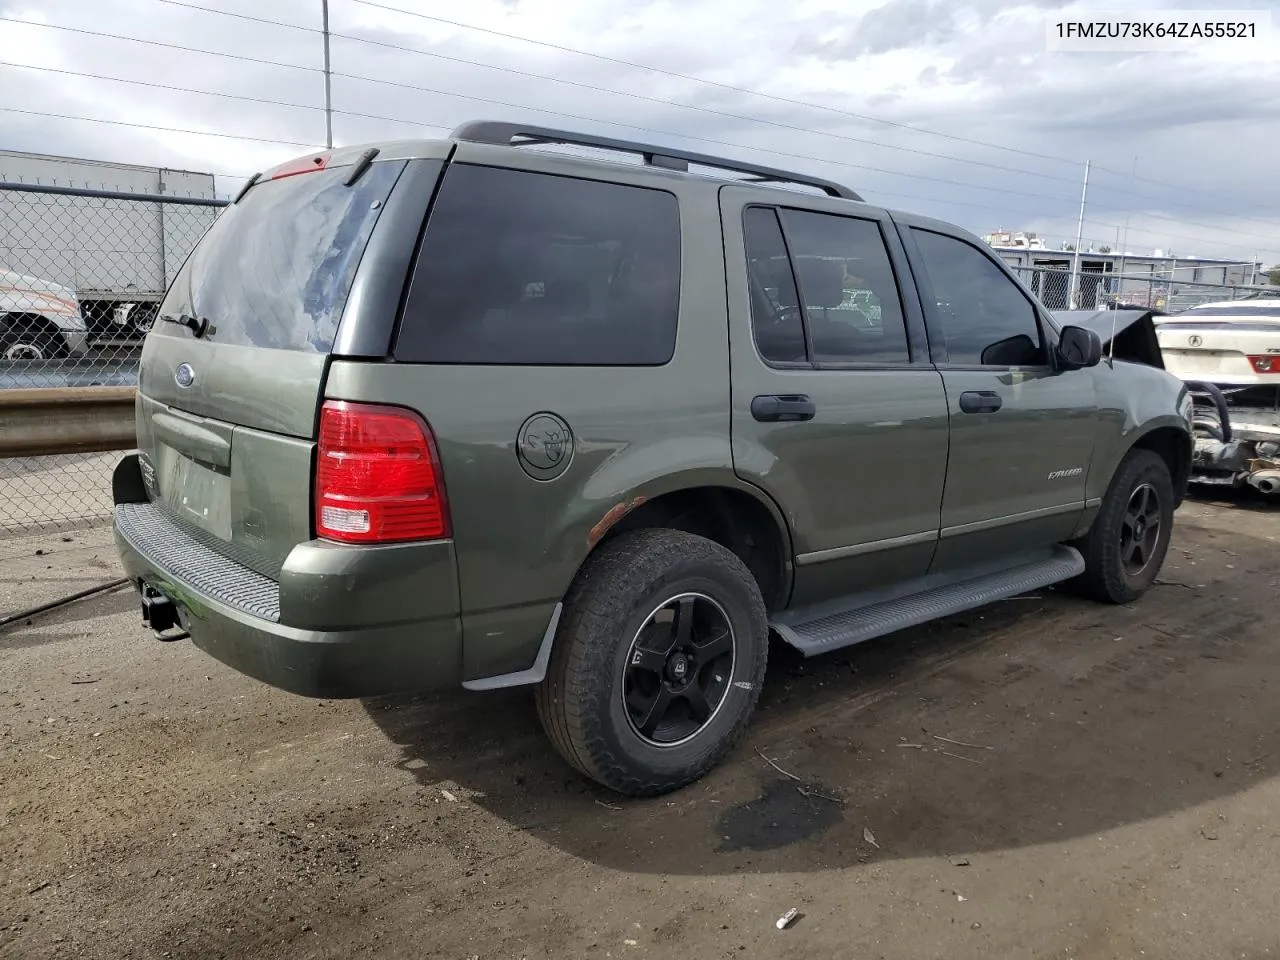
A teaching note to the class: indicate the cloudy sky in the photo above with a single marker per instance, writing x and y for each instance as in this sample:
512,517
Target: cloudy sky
950,108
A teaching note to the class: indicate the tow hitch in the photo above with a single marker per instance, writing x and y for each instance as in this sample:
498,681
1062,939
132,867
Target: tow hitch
161,615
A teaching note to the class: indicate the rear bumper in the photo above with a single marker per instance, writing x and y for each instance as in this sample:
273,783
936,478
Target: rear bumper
341,623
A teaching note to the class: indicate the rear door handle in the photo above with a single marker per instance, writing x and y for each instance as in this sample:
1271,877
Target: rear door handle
980,401
777,408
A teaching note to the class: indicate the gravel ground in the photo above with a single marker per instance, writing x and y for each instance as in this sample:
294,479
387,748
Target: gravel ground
1042,778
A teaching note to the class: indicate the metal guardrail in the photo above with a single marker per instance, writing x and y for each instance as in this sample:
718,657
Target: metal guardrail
45,422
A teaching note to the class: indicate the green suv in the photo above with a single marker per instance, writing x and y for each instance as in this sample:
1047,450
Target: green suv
492,412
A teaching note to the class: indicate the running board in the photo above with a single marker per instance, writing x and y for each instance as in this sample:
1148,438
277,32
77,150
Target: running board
875,614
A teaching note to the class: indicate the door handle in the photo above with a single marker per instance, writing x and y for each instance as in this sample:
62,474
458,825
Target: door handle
777,408
980,401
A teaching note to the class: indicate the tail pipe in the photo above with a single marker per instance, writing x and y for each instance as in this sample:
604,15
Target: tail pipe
1219,401
1267,481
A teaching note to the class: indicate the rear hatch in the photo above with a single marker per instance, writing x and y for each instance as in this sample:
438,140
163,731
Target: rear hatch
231,376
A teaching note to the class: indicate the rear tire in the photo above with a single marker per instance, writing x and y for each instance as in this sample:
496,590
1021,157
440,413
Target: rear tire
644,692
1126,546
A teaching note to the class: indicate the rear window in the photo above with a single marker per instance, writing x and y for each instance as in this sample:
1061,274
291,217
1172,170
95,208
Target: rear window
275,269
522,268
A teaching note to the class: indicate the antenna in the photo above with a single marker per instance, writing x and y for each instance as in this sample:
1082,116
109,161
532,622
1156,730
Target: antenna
1111,344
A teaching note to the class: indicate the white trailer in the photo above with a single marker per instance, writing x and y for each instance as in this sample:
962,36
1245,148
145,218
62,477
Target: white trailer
117,253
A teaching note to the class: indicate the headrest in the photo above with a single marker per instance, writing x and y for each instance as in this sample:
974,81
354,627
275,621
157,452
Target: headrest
570,296
822,282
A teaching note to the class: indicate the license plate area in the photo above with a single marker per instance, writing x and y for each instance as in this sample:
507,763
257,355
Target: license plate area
197,493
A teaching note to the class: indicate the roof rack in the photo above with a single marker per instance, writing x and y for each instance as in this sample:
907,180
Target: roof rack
515,134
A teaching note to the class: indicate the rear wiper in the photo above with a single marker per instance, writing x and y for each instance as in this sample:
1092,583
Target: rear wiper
198,326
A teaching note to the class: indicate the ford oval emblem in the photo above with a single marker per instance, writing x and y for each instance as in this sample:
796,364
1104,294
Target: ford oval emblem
184,376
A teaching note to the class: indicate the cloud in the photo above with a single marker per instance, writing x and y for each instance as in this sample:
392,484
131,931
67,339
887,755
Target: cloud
906,93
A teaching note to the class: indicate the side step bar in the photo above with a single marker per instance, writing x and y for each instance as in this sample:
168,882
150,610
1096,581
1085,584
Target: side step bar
875,614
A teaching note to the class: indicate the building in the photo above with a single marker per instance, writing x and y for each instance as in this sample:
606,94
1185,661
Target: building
1016,241
1159,280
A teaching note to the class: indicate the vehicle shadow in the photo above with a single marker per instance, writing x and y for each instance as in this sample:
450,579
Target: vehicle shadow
1032,721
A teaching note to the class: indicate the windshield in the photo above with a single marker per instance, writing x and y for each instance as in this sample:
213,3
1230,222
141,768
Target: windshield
275,269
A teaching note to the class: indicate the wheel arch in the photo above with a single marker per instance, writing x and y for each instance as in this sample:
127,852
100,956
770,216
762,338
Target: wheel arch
737,515
1172,443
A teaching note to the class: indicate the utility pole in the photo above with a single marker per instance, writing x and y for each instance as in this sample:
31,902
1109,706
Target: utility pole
328,80
1075,260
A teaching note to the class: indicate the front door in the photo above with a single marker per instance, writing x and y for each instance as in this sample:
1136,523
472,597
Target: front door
838,413
1022,431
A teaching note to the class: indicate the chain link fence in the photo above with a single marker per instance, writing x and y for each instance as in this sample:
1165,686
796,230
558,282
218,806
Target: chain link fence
82,274
1148,291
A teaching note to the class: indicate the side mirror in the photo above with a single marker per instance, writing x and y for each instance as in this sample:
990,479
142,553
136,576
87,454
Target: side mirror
1079,348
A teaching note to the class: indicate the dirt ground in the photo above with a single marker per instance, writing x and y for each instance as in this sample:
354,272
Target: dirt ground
1043,778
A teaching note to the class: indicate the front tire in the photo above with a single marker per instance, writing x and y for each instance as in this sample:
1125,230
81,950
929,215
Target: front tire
658,662
30,343
1126,546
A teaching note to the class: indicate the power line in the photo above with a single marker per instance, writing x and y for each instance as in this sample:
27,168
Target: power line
712,83
293,26
161,44
217,93
241,16
690,136
146,126
161,86
518,106
636,96
767,96
418,123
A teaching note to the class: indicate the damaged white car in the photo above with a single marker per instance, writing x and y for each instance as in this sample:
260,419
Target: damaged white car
39,320
1231,352
1229,356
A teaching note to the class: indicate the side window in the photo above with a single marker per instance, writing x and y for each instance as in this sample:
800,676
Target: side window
775,311
851,300
521,268
986,319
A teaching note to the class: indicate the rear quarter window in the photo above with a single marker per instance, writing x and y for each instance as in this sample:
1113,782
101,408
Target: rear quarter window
522,268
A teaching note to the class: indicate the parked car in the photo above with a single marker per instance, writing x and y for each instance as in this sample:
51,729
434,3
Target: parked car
473,412
39,320
1231,352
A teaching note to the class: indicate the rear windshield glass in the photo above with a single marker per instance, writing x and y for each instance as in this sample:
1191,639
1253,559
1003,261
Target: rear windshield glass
528,268
275,269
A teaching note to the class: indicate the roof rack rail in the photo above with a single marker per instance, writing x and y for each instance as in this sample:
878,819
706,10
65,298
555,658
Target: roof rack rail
506,134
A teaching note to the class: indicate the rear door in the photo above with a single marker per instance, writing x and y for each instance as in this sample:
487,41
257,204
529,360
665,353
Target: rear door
231,380
1022,432
837,411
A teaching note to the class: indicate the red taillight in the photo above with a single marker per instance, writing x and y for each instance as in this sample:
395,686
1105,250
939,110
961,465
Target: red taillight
378,477
309,164
1267,363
